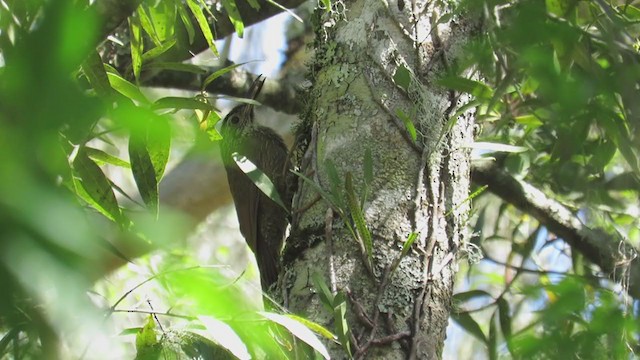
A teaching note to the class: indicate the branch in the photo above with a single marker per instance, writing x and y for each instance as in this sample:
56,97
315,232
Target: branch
280,95
616,258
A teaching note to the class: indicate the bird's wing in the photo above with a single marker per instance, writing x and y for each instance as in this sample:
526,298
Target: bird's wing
246,198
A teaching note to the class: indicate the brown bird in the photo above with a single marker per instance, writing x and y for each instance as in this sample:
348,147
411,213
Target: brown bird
262,221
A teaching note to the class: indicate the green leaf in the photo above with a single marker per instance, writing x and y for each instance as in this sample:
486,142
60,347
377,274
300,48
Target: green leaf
93,69
299,330
234,16
326,4
126,88
103,157
529,120
222,334
492,343
175,66
475,88
342,326
467,322
219,73
147,25
408,243
402,77
137,45
204,25
143,172
163,17
158,50
504,317
334,182
260,179
468,295
358,217
147,346
326,297
186,20
325,195
315,327
178,103
159,144
94,187
408,124
254,4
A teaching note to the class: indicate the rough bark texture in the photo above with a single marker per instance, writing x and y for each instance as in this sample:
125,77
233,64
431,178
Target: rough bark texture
418,186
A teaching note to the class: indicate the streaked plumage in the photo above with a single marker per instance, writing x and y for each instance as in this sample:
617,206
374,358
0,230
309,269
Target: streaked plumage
262,221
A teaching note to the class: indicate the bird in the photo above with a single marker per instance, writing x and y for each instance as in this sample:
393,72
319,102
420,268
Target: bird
262,221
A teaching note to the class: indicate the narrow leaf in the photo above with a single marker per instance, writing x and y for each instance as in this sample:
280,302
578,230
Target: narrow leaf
96,186
126,88
186,21
219,73
467,322
103,157
334,182
234,16
178,103
260,179
158,50
93,69
326,297
298,330
223,335
358,217
505,318
342,326
159,144
472,294
408,243
204,25
143,172
325,195
475,88
147,25
175,66
315,327
137,45
408,124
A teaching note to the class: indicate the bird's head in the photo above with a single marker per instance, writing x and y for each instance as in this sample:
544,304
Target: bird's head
240,120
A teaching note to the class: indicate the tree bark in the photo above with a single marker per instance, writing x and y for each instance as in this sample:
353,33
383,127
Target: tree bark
376,63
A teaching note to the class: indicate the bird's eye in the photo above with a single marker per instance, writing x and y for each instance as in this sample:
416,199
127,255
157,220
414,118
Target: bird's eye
235,119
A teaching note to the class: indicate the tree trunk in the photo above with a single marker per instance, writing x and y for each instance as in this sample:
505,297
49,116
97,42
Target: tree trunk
376,64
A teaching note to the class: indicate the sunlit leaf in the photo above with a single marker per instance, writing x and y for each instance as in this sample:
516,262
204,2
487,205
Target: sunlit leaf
234,16
126,88
93,69
172,102
260,179
225,336
469,86
103,157
408,124
137,45
299,330
96,185
204,25
219,73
